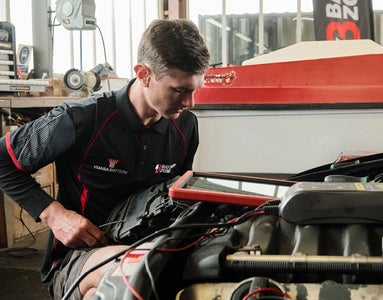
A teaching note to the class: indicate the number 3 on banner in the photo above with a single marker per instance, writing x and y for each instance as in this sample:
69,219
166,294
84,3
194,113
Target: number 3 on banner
342,29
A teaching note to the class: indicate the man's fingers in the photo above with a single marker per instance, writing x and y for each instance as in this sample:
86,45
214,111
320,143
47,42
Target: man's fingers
85,238
96,237
91,235
71,228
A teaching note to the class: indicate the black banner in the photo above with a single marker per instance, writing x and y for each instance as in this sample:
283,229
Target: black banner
343,19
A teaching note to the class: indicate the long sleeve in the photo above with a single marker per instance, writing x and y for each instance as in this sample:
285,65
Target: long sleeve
20,186
26,150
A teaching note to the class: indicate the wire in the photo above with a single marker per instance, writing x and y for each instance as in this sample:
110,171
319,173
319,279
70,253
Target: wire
25,250
125,278
153,235
184,247
151,277
25,225
213,231
106,61
201,238
52,26
272,298
111,223
378,178
267,289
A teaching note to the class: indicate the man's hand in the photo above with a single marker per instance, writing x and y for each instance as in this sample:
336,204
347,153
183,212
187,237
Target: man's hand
71,228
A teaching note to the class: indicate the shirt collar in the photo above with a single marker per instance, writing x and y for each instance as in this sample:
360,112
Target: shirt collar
129,115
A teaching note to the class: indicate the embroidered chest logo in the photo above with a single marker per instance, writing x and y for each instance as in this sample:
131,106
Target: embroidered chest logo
113,162
111,168
161,168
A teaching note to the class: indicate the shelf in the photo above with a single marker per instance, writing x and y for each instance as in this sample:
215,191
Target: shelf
31,102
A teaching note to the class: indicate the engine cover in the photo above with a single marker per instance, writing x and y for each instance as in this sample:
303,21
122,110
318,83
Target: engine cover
333,202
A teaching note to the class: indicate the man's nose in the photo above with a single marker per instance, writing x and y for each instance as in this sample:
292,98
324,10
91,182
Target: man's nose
188,99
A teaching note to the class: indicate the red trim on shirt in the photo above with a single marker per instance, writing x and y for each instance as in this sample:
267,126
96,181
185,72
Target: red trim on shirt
183,137
84,193
11,153
96,137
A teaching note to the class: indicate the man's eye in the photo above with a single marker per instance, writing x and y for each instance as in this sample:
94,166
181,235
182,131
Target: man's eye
180,91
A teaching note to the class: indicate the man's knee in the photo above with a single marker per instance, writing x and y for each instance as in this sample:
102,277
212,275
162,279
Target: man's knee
89,294
66,278
92,280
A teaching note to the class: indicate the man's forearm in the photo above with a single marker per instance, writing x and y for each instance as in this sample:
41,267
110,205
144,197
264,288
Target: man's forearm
20,186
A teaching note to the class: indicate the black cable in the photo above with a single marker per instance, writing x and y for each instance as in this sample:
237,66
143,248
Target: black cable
146,261
25,225
24,250
105,58
151,237
378,178
273,298
151,278
135,245
158,249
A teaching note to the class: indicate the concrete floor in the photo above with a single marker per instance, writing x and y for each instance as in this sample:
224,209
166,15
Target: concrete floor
20,271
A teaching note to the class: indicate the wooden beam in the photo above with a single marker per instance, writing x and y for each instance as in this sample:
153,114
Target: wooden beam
177,9
3,224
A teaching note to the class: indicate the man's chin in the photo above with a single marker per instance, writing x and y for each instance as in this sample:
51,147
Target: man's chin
172,116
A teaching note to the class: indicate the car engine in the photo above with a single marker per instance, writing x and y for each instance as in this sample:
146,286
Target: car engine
319,241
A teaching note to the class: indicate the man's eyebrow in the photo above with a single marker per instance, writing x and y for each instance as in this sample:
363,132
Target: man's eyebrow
183,88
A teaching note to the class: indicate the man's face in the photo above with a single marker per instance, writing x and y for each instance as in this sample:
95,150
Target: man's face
170,95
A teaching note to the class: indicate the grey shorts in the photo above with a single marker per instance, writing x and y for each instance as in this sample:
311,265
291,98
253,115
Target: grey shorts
68,273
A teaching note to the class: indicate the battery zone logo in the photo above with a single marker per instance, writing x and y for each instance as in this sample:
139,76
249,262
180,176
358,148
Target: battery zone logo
347,13
343,19
166,169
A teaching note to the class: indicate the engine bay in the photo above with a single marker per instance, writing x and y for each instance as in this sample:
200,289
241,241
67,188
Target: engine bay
318,241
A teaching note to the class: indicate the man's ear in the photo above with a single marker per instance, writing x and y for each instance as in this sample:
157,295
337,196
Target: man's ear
142,73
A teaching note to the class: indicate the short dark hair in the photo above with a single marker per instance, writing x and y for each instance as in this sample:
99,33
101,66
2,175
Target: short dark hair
173,44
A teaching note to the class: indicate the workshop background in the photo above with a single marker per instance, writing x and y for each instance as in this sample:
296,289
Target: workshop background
49,54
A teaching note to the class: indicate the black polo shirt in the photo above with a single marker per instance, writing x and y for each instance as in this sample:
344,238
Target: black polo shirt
102,151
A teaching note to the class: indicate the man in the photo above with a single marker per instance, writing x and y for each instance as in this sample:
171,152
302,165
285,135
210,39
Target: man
105,148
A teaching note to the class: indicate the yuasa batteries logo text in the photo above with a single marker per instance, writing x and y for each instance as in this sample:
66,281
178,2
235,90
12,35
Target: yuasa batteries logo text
111,168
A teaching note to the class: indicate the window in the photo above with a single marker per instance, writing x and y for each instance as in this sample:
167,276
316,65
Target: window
234,30
256,27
